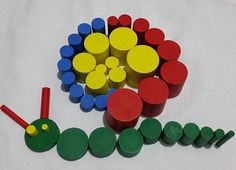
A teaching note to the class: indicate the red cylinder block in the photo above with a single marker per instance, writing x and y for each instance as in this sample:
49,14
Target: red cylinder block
123,109
45,101
154,93
125,21
140,26
14,117
112,22
174,73
153,37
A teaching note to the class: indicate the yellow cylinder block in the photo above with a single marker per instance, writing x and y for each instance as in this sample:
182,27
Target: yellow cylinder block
83,64
101,68
122,40
117,77
97,44
31,130
96,83
142,61
112,62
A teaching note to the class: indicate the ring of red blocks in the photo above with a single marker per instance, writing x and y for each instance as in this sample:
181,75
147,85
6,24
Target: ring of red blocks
153,92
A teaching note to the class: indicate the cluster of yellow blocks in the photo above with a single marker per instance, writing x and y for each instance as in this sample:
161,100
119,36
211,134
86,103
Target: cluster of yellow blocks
114,61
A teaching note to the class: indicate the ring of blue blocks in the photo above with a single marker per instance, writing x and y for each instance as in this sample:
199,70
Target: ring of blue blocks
67,76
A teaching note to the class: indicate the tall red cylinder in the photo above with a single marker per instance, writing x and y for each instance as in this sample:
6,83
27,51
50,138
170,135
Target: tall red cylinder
112,23
45,101
154,93
125,21
123,109
153,37
140,26
174,73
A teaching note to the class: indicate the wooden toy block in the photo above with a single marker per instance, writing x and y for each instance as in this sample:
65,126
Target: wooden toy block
72,144
204,137
43,140
96,83
45,127
190,133
101,102
14,116
63,66
174,73
168,50
153,37
123,109
218,134
98,25
125,21
130,142
112,62
142,62
121,41
76,92
154,93
97,44
76,41
87,103
68,79
67,51
140,26
112,23
172,132
84,30
101,68
225,138
83,64
117,78
45,102
150,129
102,142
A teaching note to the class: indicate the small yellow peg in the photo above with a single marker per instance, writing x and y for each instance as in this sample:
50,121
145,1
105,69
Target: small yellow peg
31,130
45,127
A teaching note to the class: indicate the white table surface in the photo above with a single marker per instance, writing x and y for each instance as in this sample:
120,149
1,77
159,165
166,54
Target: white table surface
31,33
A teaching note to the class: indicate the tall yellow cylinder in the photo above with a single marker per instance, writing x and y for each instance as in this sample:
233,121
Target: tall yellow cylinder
97,44
142,62
122,40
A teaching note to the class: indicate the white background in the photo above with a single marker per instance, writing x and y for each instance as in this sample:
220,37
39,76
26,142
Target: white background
31,33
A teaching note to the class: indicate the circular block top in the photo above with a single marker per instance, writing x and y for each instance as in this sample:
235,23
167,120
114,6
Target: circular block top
169,50
124,105
98,24
117,75
141,25
101,102
153,90
112,62
207,133
72,144
76,91
174,72
154,36
102,142
45,127
123,39
112,20
191,130
219,133
64,65
43,140
67,52
96,80
151,129
87,102
75,39
130,142
143,59
96,43
173,130
84,29
125,20
68,78
101,68
84,63
31,130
